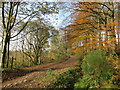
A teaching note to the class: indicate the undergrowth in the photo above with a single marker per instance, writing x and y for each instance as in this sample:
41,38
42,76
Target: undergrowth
65,79
98,71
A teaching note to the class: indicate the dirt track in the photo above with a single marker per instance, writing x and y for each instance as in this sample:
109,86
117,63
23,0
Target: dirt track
26,77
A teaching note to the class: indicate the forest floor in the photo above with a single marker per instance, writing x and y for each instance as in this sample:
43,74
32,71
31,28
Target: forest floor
30,77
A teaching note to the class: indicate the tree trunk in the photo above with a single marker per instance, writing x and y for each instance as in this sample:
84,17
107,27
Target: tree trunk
12,62
4,46
37,59
8,54
118,31
22,52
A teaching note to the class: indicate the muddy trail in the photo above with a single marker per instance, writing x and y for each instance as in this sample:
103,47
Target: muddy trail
27,76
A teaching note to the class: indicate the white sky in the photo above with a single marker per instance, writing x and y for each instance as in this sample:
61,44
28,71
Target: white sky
57,20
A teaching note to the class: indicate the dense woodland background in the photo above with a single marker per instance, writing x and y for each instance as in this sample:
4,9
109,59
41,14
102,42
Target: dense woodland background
91,33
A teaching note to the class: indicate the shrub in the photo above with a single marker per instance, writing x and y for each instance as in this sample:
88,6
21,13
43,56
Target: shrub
95,63
80,59
87,81
96,70
66,79
49,72
71,53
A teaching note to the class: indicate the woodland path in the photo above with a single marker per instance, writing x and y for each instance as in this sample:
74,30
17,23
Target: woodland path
27,77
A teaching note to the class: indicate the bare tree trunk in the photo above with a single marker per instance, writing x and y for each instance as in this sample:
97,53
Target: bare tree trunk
117,47
12,62
8,54
113,20
4,46
37,60
40,57
22,52
118,31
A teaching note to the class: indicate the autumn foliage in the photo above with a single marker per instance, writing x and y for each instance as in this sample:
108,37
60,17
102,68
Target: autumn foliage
95,25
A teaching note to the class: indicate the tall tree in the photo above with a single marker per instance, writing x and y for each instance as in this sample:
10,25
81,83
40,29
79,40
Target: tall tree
93,25
13,13
8,23
36,39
